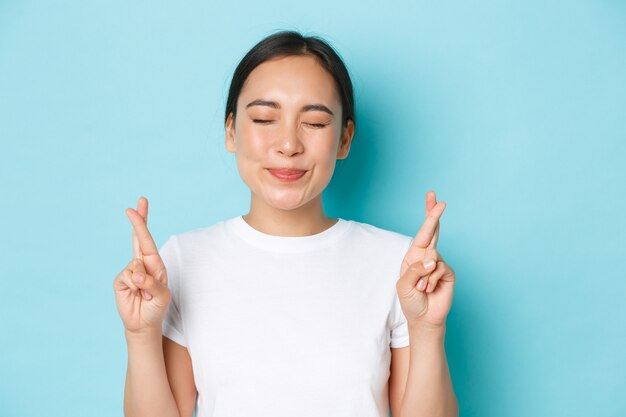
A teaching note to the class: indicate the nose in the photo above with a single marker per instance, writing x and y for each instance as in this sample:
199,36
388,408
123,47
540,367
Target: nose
288,142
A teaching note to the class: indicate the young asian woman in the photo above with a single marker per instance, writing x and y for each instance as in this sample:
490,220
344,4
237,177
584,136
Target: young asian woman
285,311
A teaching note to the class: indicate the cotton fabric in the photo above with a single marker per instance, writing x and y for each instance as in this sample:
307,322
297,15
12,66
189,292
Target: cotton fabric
287,326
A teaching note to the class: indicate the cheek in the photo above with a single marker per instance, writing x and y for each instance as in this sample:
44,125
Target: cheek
252,144
329,146
327,154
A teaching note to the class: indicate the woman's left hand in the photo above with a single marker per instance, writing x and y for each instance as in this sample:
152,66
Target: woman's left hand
426,294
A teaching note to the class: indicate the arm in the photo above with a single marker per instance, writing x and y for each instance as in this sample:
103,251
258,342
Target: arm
428,389
159,377
425,290
147,391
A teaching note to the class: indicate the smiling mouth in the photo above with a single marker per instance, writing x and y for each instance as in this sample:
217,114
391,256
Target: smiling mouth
287,175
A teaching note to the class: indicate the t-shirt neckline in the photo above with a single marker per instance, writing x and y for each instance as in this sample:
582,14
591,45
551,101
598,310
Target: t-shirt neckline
289,244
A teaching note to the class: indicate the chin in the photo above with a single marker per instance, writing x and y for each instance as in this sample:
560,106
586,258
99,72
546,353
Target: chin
286,202
286,205
286,199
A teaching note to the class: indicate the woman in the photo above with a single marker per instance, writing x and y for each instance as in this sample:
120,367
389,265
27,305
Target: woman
285,311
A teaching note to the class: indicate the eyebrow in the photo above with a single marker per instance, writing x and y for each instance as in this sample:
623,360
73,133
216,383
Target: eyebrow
275,105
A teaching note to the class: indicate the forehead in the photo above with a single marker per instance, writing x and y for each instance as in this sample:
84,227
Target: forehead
291,78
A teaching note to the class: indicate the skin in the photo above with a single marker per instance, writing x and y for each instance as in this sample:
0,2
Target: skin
283,135
310,140
426,299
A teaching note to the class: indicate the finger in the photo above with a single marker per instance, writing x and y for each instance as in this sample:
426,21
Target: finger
431,200
426,233
135,266
433,254
142,209
414,273
123,282
433,242
422,284
152,261
446,274
152,287
439,271
136,251
146,242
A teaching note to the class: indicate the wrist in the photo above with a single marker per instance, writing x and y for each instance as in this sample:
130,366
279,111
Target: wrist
144,336
427,337
427,328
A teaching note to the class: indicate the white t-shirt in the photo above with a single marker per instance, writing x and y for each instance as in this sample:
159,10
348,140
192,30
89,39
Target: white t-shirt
287,326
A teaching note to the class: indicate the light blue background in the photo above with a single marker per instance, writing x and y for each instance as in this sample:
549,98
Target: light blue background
513,112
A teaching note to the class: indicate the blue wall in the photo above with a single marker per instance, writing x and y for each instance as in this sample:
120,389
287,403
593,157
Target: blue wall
513,112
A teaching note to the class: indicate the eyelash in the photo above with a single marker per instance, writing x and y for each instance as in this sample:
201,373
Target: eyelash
315,125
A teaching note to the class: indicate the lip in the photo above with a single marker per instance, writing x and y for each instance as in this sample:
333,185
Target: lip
287,174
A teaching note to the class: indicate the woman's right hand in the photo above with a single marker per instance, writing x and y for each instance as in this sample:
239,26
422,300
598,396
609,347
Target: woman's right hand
141,291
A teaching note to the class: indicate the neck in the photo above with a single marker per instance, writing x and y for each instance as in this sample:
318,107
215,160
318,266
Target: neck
305,220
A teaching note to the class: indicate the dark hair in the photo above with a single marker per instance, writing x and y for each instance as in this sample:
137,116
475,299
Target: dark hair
287,43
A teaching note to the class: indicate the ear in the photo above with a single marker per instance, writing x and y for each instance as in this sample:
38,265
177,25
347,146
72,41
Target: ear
346,140
230,133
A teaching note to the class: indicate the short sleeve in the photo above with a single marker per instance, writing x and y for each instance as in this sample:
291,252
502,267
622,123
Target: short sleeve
173,323
399,327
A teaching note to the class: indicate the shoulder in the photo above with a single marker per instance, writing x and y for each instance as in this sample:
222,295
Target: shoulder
199,236
379,236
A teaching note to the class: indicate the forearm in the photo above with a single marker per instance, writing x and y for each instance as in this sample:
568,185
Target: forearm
147,391
428,389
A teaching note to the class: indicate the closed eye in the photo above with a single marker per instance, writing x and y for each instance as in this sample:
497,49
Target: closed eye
314,125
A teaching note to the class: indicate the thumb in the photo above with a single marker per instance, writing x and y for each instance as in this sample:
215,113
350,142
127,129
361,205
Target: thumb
420,269
147,283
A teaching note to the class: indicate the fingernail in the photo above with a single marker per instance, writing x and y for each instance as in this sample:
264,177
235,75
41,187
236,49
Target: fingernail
428,263
138,278
420,284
